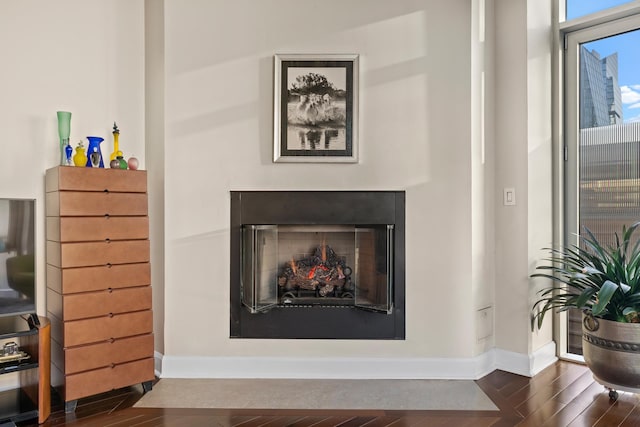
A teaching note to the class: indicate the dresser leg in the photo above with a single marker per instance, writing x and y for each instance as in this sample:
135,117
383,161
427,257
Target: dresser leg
147,386
70,406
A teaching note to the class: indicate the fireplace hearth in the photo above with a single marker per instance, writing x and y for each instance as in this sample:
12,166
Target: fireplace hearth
317,264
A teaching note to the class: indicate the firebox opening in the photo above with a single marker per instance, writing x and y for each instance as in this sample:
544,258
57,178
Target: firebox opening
317,264
314,265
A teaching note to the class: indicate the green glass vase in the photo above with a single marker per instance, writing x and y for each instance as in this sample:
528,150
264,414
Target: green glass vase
64,129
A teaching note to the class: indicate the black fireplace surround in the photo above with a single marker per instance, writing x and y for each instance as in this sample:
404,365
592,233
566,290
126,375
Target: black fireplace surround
379,216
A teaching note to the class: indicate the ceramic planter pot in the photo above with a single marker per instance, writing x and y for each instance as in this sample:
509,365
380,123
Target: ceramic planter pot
612,352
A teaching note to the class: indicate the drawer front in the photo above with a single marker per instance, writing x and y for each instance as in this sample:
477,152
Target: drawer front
77,203
85,279
95,179
83,229
106,354
101,303
97,329
67,255
106,379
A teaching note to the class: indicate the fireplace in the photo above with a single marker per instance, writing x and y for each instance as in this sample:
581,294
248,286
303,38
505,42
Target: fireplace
317,264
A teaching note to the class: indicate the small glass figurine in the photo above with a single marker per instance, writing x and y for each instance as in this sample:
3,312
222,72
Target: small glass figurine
68,151
122,162
132,163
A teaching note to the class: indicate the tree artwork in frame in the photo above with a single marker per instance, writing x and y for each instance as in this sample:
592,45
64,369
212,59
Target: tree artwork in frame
316,108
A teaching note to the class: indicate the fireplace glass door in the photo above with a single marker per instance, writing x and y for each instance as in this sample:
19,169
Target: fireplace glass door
317,266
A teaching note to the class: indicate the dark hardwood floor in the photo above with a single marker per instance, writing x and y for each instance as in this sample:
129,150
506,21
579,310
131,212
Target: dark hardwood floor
564,394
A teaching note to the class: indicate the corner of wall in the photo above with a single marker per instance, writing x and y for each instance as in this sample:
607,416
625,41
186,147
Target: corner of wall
526,364
154,153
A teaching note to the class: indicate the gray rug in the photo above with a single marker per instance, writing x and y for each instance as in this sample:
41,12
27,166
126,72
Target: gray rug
317,394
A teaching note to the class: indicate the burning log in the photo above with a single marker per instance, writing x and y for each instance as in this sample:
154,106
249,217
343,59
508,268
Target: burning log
324,272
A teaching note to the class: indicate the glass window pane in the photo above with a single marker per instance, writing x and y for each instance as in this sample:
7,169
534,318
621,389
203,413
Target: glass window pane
609,80
609,143
373,272
578,8
259,267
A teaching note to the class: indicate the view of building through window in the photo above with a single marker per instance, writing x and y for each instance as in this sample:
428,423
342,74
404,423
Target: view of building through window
612,65
609,138
600,99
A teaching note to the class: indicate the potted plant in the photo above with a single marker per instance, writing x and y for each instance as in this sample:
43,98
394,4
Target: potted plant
603,282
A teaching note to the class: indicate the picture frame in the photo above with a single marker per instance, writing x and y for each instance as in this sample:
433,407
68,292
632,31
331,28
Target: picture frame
315,108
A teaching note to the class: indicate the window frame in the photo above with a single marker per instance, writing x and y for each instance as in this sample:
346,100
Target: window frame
571,34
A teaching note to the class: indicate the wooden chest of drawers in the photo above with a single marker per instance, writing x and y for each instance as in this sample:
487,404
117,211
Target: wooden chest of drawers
98,280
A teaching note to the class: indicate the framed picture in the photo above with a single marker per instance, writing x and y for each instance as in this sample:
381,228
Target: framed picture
316,108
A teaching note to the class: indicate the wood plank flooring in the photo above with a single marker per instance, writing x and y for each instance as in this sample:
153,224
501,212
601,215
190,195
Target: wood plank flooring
564,394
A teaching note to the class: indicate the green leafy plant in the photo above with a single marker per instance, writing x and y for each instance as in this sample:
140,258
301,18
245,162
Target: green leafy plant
601,280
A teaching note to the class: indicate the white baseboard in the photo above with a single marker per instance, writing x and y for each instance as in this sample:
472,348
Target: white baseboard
157,363
356,368
345,368
526,364
543,357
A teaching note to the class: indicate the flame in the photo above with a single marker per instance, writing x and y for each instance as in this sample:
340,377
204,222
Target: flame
312,272
294,268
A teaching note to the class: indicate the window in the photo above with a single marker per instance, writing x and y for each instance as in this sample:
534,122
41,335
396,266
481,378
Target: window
602,133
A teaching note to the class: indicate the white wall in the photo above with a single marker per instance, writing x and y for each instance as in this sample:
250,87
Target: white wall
523,161
155,154
208,121
539,147
415,135
73,55
511,154
483,171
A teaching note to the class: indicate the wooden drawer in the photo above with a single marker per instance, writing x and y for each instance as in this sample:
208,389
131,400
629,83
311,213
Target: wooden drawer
97,329
108,353
100,303
87,254
95,179
85,279
77,203
83,229
105,379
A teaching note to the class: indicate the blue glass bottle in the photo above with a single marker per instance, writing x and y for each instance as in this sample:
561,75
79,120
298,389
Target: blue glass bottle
68,151
94,155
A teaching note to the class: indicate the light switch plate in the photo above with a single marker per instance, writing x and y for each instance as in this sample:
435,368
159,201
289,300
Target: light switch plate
509,197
